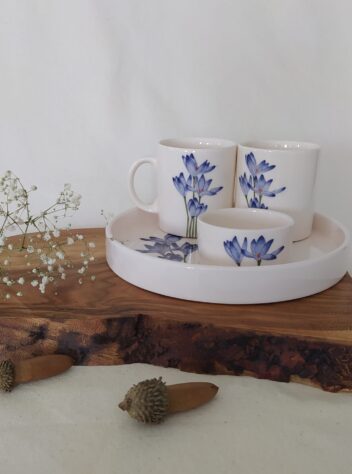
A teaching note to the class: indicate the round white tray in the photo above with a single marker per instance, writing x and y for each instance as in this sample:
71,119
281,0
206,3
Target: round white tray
317,263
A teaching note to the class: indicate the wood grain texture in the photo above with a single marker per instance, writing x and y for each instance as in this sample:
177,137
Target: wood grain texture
110,321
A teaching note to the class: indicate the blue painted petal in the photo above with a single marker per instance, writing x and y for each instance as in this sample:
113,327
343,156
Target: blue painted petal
233,250
208,183
254,203
268,256
191,164
280,190
264,166
267,246
254,247
227,247
269,193
245,184
273,255
251,164
267,184
203,208
169,238
201,183
279,250
213,191
248,254
205,167
244,245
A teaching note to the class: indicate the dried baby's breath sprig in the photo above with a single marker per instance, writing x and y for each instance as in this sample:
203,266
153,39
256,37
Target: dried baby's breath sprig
108,216
39,238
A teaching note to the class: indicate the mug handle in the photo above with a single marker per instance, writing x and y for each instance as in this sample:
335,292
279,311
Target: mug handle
153,207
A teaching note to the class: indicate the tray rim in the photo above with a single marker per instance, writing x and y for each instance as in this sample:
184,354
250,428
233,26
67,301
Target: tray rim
274,268
226,284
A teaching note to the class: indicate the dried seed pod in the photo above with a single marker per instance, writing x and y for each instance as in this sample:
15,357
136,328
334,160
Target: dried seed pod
7,375
147,401
30,370
151,400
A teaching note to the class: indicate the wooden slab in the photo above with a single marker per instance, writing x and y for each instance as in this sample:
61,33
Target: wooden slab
110,321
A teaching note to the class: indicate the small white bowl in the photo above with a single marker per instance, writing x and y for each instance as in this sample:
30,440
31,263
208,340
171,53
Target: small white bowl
244,237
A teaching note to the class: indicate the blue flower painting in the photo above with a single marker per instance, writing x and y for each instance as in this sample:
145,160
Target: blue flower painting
194,189
235,251
255,187
169,248
259,250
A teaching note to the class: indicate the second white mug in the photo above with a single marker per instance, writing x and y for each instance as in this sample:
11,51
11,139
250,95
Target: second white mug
281,176
193,175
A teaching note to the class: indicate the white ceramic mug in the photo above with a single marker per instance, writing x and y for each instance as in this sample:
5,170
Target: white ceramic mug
244,237
278,175
193,175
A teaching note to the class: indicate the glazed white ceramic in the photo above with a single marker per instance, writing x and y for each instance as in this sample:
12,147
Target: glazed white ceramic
315,264
182,164
290,165
241,237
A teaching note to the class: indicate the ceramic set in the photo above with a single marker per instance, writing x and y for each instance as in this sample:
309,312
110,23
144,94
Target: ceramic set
229,224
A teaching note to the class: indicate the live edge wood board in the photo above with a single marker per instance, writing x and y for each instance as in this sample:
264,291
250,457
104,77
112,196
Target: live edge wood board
109,321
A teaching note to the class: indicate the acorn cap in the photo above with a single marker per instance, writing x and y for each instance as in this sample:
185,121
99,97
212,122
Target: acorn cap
7,375
147,401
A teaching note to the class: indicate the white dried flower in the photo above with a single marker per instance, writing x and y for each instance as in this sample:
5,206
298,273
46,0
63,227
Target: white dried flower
14,202
43,283
19,293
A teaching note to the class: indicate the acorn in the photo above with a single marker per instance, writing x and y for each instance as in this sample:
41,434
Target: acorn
7,375
152,400
30,370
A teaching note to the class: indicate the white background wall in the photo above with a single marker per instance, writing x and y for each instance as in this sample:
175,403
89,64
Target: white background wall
87,87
